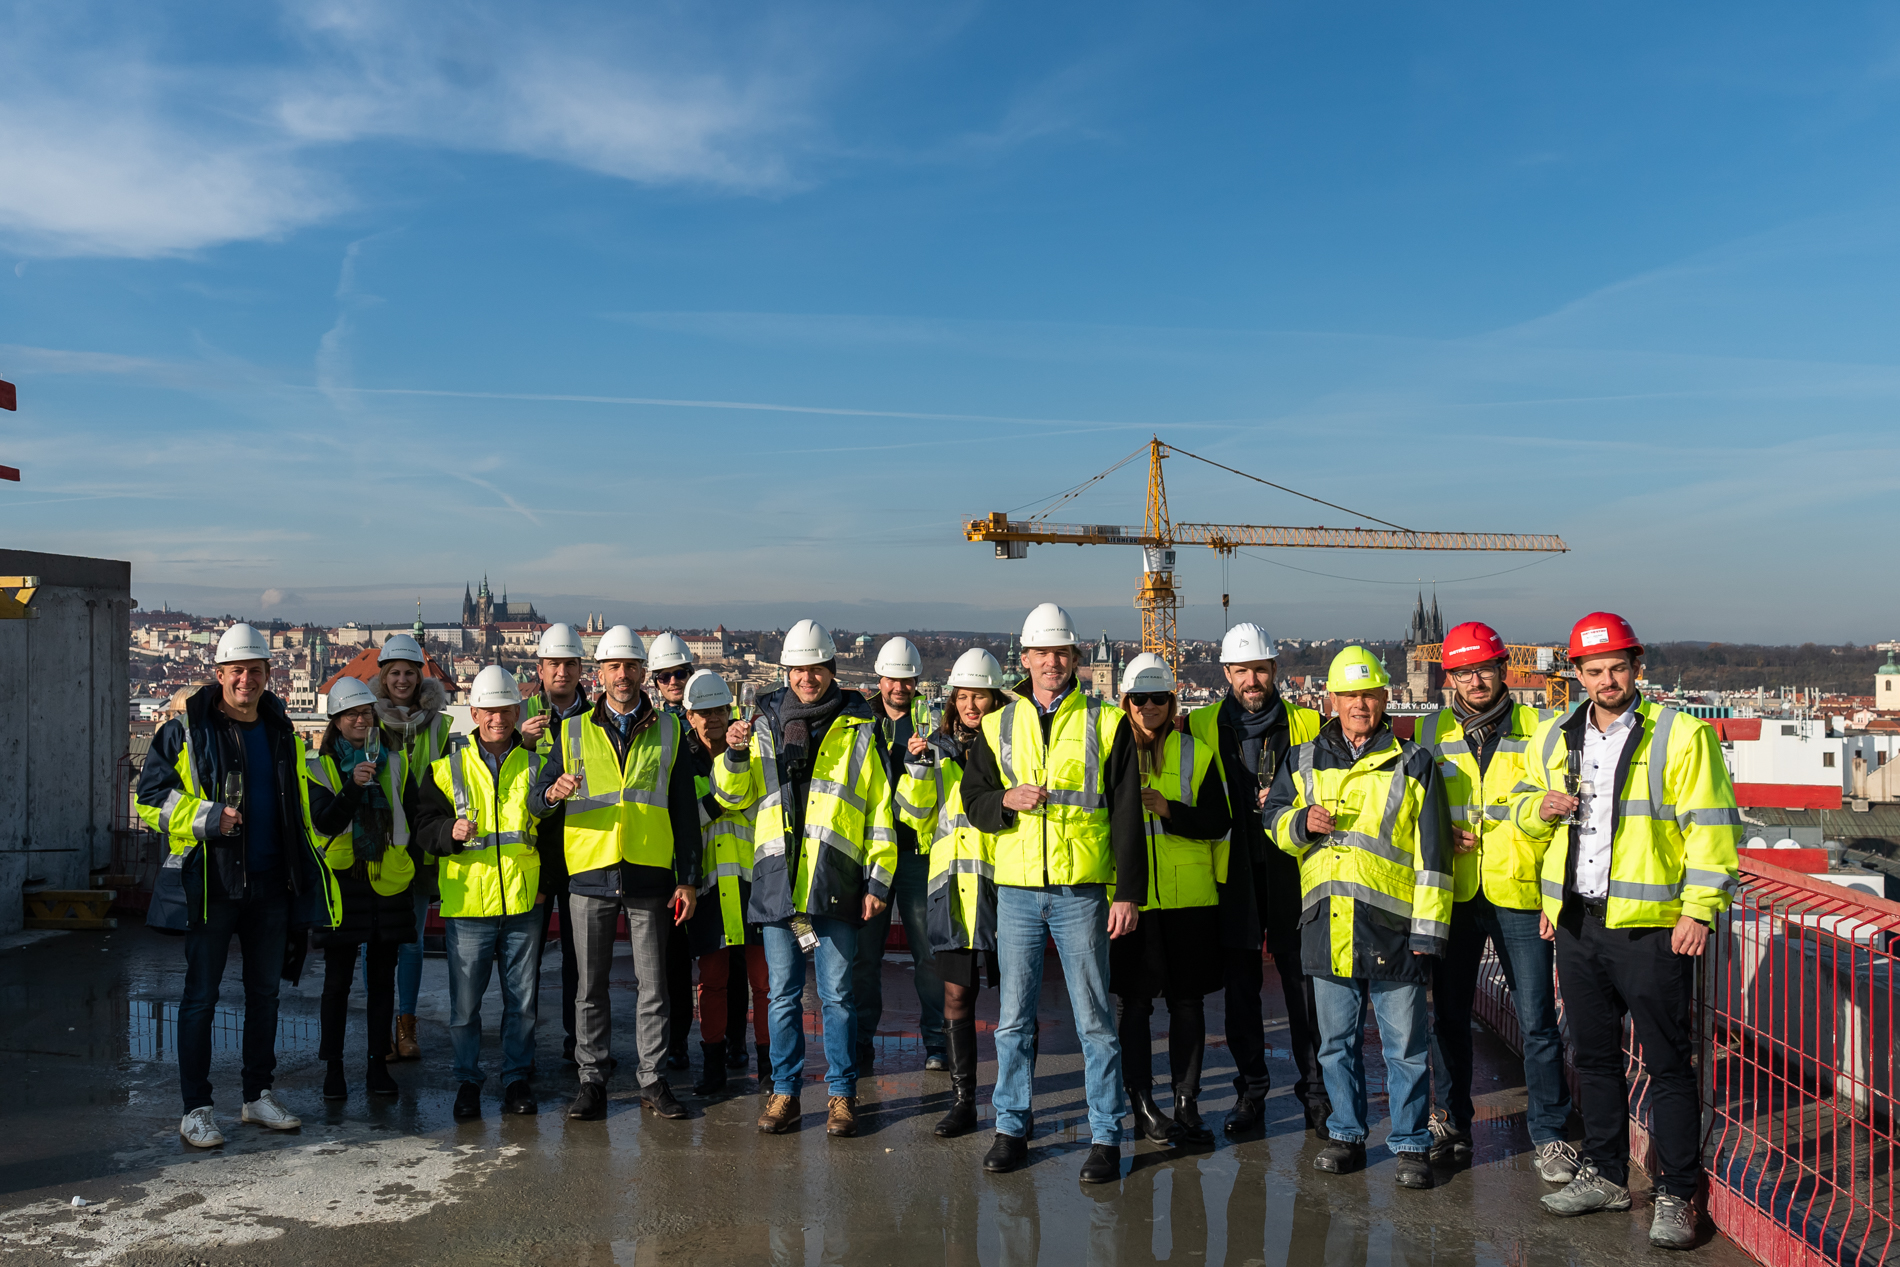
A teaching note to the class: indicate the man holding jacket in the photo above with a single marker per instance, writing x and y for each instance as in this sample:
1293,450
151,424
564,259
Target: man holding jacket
1365,813
1630,886
631,837
224,784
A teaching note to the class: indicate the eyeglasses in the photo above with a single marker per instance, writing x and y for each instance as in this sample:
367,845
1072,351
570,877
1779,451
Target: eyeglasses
672,675
1486,671
1147,699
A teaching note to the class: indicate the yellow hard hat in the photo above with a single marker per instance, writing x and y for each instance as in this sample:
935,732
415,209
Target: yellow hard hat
1356,669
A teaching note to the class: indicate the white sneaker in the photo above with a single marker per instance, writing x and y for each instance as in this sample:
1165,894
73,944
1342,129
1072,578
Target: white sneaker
200,1128
1557,1162
268,1110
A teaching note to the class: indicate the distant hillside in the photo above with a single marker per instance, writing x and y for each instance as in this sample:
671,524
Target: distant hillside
1742,666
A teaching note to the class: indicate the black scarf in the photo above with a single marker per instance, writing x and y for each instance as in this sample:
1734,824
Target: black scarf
1480,725
803,725
1253,729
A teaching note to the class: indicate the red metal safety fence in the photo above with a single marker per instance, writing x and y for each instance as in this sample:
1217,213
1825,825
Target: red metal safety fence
1796,1064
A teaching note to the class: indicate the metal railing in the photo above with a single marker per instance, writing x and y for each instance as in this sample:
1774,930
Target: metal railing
1796,1064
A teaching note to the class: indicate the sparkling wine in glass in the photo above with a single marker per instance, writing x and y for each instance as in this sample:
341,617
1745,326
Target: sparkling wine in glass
234,794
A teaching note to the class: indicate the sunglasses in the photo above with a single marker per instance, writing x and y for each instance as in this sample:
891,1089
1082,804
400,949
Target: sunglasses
1145,699
673,675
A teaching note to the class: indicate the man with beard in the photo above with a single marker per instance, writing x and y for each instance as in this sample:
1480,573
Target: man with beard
1252,730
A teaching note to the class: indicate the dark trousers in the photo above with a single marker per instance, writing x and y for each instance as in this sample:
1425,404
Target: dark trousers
679,985
570,965
1526,961
1302,1025
1246,1026
260,924
741,993
379,981
1187,1041
1606,974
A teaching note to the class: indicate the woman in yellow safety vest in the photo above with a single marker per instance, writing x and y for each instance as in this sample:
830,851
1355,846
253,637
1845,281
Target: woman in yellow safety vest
1175,951
354,787
962,877
410,706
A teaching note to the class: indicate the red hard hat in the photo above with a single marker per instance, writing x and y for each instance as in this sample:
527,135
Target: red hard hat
1600,632
1472,643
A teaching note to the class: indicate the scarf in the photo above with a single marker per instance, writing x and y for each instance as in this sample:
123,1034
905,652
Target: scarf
1253,729
1479,726
803,725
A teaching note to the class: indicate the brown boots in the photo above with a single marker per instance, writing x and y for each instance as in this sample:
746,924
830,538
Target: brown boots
841,1115
405,1046
781,1114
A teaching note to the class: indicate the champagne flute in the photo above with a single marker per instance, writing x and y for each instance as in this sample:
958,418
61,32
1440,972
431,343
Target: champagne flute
1575,786
580,776
234,795
372,745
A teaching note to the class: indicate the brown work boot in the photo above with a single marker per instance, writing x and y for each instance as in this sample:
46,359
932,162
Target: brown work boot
781,1114
406,1046
841,1115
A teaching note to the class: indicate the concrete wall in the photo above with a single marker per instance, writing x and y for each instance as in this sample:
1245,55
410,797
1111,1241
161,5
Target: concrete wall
64,722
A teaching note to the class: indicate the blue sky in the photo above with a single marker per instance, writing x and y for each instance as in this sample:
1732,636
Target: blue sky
729,312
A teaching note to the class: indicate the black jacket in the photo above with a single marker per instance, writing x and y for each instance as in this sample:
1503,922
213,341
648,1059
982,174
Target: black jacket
368,916
644,886
1127,835
893,749
217,749
1262,893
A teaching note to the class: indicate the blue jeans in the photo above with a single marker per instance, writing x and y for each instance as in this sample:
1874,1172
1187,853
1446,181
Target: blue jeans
1403,1034
409,954
1076,916
910,895
837,948
259,924
1527,960
475,946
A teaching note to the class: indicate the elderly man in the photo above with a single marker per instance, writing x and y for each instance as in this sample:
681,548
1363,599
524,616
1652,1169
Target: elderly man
824,850
898,668
558,668
470,810
1642,864
1253,729
223,785
1365,813
1480,744
1053,777
631,835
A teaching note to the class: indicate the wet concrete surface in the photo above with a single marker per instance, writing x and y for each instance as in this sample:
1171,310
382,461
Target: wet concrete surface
87,1056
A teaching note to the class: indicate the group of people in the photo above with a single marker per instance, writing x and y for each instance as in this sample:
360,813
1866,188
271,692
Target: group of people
1162,853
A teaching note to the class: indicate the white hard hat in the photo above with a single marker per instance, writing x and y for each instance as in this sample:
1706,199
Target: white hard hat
400,647
1147,672
807,642
899,658
668,652
1049,626
1245,643
976,667
242,642
495,687
347,693
706,689
559,642
620,643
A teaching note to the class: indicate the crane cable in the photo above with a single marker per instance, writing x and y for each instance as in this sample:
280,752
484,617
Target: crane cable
1283,488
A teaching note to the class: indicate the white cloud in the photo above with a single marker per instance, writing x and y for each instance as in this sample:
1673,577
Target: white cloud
134,148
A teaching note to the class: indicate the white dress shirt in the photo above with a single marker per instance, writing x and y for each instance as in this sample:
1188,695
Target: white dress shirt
1602,750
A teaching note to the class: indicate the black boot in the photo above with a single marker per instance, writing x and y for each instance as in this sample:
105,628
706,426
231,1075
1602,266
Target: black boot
713,1069
1149,1119
1187,1116
735,1052
960,1044
334,1087
377,1078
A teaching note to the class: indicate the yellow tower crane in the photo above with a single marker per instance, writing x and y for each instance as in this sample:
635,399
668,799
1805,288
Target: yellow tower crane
1158,600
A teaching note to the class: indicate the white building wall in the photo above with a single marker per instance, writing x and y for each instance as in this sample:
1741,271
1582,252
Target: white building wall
1799,752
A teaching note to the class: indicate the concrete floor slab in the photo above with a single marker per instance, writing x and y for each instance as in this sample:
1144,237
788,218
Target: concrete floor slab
87,1048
